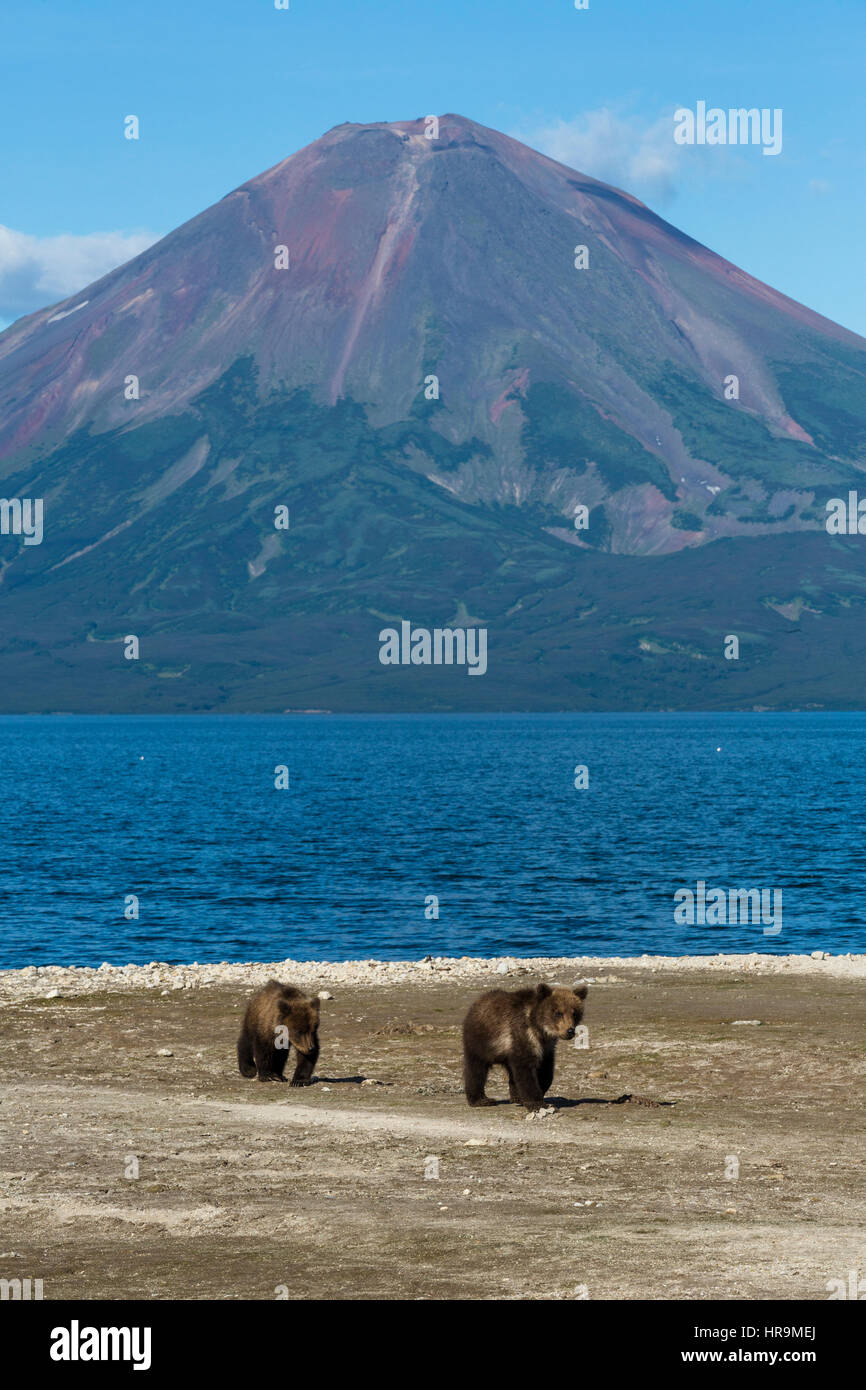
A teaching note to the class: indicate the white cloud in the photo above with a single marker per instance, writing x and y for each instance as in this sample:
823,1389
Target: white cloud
622,150
35,271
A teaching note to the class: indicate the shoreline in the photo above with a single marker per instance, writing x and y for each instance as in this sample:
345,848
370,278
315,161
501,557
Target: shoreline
32,981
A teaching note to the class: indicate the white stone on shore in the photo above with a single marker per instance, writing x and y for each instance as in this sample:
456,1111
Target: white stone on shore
473,971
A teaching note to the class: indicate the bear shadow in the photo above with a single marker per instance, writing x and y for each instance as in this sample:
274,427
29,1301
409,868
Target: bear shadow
339,1080
565,1103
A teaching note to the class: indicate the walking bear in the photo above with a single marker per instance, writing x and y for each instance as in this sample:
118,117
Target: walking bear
277,1016
518,1030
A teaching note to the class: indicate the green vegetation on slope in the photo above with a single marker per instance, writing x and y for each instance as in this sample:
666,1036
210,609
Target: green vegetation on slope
563,430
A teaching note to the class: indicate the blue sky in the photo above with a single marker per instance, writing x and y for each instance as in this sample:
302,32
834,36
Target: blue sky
225,88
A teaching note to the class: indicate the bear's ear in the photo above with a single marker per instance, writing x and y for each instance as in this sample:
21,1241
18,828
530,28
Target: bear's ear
581,991
543,991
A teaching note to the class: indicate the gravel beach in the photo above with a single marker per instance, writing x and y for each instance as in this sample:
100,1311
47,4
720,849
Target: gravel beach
32,980
707,1143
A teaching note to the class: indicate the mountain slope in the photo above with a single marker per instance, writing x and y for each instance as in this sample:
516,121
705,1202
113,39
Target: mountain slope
455,256
559,387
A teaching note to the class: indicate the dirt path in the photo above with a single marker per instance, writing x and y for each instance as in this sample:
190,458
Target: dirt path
243,1188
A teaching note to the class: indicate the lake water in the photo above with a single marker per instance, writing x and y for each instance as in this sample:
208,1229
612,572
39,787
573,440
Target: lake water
382,813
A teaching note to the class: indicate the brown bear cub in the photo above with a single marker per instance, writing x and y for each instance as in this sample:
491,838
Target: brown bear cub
277,1016
518,1030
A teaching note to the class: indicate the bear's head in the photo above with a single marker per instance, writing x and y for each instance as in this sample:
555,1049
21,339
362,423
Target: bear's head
559,1010
301,1017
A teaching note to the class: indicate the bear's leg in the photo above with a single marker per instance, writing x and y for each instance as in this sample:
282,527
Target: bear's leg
512,1088
266,1061
475,1071
526,1082
306,1065
545,1071
279,1058
246,1064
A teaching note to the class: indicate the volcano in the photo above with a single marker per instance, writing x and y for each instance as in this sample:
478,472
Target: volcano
479,388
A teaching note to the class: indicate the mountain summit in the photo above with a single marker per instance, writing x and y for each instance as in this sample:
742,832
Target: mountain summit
466,339
455,257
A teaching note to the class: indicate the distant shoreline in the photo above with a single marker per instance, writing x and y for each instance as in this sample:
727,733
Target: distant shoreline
56,981
708,711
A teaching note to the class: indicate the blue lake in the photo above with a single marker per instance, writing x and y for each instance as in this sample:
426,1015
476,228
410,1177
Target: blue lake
384,812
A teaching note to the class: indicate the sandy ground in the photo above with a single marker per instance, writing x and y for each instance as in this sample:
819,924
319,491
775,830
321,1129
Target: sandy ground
243,1188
